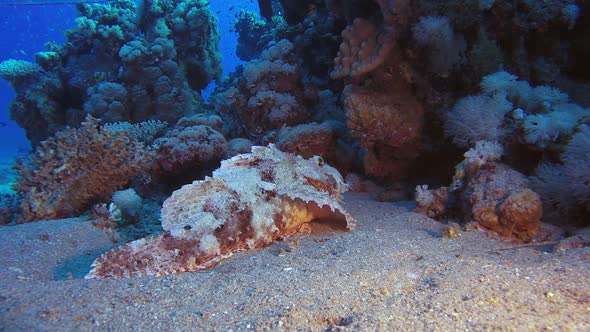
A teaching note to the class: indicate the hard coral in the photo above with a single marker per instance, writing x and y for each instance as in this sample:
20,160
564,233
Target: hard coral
364,48
196,39
308,140
275,69
253,34
388,125
251,200
267,95
500,201
491,194
192,144
15,71
77,167
119,64
107,100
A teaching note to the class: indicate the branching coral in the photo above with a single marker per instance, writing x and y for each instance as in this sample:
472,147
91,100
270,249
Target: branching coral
78,167
144,132
251,200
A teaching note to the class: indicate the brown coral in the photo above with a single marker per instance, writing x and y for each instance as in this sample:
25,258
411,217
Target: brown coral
77,167
493,195
251,200
388,125
500,200
364,47
308,140
520,214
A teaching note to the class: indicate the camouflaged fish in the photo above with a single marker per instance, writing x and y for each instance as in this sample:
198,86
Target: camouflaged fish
250,201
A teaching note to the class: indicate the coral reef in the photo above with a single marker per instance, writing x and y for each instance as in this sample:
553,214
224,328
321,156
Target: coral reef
17,71
194,142
251,200
389,127
391,93
491,194
315,40
77,167
308,140
444,47
119,63
564,187
254,34
362,50
268,94
382,111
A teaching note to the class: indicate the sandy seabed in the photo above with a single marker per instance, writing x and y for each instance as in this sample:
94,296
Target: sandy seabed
393,273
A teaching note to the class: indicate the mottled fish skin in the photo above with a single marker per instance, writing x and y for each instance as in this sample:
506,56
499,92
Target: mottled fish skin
251,201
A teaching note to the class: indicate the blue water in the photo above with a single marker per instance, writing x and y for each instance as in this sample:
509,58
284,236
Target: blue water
26,29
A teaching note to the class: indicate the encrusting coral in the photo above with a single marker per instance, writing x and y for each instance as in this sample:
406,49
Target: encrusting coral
251,200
